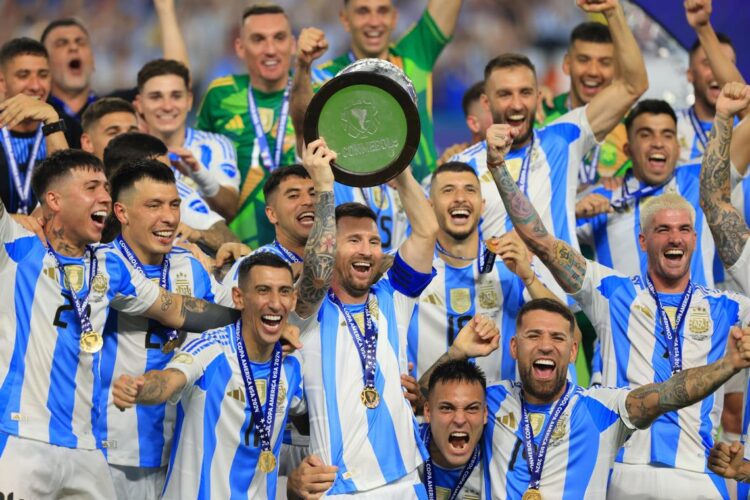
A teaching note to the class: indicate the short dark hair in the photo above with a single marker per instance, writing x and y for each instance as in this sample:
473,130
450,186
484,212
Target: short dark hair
161,67
20,47
127,175
456,370
592,32
651,106
723,38
260,259
103,107
278,175
130,147
508,60
549,305
261,9
454,166
356,210
60,23
58,165
472,95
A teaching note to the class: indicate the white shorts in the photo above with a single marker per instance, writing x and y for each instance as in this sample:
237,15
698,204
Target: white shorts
643,482
33,469
409,487
144,483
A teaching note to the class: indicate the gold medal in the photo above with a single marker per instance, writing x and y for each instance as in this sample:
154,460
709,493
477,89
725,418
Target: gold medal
266,462
170,345
532,494
370,397
91,342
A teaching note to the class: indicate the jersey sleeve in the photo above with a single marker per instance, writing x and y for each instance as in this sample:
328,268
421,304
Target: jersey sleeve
195,212
192,360
423,43
592,302
607,407
407,281
219,157
130,291
10,231
574,126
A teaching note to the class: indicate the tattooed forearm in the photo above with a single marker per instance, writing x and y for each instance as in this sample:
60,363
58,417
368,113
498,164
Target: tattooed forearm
727,225
684,388
567,265
160,385
217,235
199,315
424,380
165,299
320,250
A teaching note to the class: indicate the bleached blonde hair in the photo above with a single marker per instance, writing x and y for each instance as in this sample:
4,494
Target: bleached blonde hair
666,201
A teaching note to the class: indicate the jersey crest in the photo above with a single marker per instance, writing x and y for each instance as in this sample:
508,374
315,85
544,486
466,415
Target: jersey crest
460,300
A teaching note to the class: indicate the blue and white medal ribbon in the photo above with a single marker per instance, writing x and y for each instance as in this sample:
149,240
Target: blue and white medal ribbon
263,422
465,473
698,128
271,163
289,256
366,344
523,175
626,194
23,190
672,334
536,460
171,333
485,258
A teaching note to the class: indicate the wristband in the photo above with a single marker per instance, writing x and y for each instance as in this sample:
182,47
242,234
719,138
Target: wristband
208,187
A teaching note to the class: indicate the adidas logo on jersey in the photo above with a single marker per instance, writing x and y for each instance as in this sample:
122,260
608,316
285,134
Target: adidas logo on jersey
235,123
238,394
432,298
508,421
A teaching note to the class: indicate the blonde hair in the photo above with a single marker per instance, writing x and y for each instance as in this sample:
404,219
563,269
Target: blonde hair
666,201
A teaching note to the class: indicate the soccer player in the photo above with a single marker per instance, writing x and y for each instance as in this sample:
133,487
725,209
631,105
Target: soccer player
354,337
370,24
653,148
204,161
547,437
470,279
253,111
590,64
30,127
54,306
105,119
234,391
147,206
545,162
650,327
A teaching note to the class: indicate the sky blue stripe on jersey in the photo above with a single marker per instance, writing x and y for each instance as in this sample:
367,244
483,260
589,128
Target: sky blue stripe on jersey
512,289
244,460
217,373
455,279
412,340
179,420
582,459
620,341
196,345
108,359
205,155
601,242
151,418
201,282
642,257
495,399
3,441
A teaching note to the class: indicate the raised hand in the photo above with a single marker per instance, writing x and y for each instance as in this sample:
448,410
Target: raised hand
698,12
734,98
317,160
290,339
515,255
125,391
311,45
22,107
592,6
726,459
738,347
231,252
591,205
479,337
499,141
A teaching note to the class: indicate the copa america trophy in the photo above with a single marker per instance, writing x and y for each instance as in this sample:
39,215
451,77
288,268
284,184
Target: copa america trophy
368,115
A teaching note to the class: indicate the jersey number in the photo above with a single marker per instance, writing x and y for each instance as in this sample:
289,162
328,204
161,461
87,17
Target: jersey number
385,231
455,325
68,306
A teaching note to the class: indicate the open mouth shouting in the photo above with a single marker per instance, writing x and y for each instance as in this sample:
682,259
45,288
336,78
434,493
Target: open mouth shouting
657,161
164,236
272,322
544,369
75,65
459,215
591,86
458,441
362,269
306,219
674,254
516,120
99,218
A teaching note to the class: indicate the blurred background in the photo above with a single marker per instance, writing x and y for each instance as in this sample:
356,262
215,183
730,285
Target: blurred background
124,36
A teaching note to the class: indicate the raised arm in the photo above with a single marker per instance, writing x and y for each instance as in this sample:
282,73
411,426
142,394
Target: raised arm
311,45
445,14
172,41
320,249
567,265
21,107
188,313
153,388
727,225
606,110
424,226
646,403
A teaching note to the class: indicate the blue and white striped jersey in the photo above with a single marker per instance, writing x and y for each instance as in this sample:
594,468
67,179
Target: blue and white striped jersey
451,299
215,451
581,451
558,151
48,386
132,345
393,224
447,479
194,211
691,149
215,152
614,236
635,352
371,447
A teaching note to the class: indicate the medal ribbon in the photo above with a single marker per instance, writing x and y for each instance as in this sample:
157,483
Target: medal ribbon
289,256
366,343
523,175
24,191
263,423
171,333
465,473
672,334
587,174
536,461
80,306
699,132
485,258
626,194
265,151
67,109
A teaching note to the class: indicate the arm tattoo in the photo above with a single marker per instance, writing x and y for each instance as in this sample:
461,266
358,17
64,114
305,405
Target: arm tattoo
567,265
165,298
684,388
727,225
217,235
154,390
320,250
199,315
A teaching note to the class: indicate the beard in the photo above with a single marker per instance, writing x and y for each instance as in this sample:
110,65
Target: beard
544,391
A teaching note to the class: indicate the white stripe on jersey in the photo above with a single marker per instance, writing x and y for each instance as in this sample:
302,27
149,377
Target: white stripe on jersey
194,210
691,149
552,184
614,237
581,451
215,453
451,299
47,385
132,345
740,271
215,152
634,353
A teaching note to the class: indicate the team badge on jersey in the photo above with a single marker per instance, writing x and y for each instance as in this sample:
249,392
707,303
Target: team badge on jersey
537,421
561,429
645,311
699,322
74,277
460,300
266,118
182,285
99,284
183,358
488,298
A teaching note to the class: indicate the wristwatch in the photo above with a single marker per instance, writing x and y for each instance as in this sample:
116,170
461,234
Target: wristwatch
51,128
